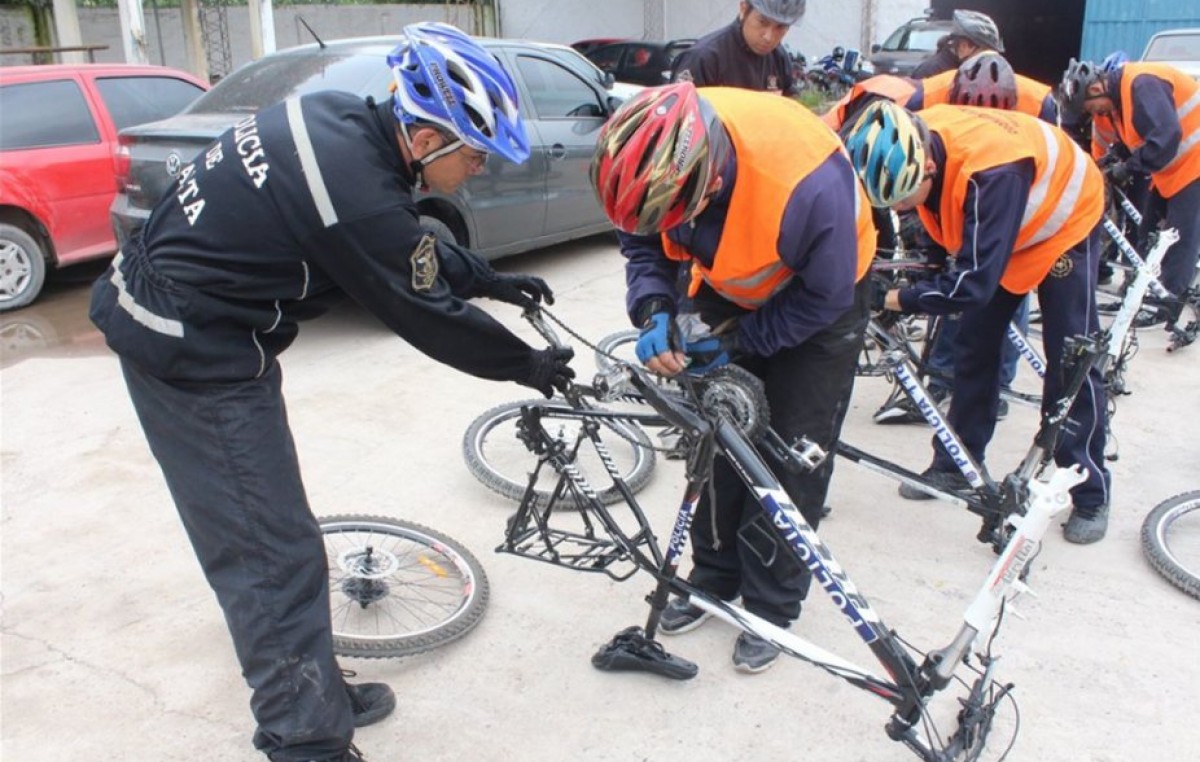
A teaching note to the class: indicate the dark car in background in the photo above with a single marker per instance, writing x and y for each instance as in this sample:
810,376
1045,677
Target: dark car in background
588,45
639,62
59,162
508,209
909,45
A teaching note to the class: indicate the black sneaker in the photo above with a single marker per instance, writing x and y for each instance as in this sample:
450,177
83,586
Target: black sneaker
949,481
752,654
681,616
1149,317
351,754
370,702
1086,525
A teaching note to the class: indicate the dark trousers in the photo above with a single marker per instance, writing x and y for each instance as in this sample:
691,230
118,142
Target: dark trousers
1068,301
1182,212
228,457
941,356
735,549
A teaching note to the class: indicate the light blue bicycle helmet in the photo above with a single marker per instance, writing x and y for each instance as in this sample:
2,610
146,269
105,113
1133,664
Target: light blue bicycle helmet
445,78
887,148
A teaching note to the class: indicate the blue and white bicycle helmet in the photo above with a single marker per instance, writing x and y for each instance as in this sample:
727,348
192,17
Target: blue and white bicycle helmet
887,148
1114,61
445,78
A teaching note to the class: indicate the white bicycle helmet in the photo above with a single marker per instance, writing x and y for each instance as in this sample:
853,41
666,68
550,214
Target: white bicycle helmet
780,11
978,28
445,78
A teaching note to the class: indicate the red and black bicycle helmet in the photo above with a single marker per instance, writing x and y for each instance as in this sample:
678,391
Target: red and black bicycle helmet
658,158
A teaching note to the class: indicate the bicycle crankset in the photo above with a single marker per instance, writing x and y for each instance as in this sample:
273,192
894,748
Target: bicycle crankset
737,395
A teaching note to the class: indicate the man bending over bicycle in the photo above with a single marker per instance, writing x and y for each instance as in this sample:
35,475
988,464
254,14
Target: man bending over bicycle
1017,204
753,193
302,201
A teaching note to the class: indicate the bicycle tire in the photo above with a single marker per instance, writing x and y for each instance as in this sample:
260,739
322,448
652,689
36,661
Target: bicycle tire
1156,543
398,588
616,345
502,462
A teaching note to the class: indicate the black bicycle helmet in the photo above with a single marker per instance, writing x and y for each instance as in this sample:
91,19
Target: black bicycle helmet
978,28
1072,91
987,80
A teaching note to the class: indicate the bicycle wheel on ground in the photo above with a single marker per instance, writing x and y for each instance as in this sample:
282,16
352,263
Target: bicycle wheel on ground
498,458
1171,541
619,345
397,588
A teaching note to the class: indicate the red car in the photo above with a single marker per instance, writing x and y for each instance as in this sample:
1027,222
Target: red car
58,160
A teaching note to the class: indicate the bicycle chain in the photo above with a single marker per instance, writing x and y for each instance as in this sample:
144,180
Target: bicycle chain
627,398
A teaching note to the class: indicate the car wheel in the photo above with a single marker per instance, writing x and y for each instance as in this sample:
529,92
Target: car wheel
440,229
22,267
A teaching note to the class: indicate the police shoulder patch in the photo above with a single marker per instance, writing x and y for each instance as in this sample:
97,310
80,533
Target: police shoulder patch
424,263
1062,266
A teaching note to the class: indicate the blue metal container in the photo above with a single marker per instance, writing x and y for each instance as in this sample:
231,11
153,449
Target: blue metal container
1111,25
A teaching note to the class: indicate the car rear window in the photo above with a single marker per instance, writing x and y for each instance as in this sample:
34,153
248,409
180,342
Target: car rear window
45,114
137,100
274,79
922,39
1175,47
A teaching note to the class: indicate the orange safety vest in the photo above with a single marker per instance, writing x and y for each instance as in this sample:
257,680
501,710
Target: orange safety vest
1185,167
778,143
897,89
1031,94
1104,135
1065,202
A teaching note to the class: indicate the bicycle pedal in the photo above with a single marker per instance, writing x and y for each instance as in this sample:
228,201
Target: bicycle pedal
631,651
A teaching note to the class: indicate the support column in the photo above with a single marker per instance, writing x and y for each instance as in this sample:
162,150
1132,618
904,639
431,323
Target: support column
193,40
133,31
262,27
66,30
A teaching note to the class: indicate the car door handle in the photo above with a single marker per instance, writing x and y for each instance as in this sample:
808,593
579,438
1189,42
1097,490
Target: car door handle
556,151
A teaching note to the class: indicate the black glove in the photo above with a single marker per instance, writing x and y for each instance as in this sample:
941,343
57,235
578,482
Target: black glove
521,290
548,370
1118,174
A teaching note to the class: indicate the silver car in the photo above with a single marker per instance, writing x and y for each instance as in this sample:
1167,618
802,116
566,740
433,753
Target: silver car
506,210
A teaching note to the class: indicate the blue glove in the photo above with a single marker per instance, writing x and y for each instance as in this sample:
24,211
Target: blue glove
711,352
659,334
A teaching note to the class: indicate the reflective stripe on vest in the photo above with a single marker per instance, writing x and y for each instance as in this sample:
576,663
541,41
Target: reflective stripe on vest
1184,168
1065,201
772,161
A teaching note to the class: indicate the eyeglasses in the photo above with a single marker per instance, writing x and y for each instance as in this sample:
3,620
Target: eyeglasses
476,160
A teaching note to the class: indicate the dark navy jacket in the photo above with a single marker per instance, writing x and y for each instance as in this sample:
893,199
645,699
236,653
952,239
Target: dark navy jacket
305,200
723,59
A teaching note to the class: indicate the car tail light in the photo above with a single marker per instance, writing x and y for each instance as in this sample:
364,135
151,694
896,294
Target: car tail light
121,161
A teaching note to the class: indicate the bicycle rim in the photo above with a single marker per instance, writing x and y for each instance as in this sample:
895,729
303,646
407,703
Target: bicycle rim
397,588
1171,541
501,462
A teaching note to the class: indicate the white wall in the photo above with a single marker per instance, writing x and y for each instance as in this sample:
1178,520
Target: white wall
825,24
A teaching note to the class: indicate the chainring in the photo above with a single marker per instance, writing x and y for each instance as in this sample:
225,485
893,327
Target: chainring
737,395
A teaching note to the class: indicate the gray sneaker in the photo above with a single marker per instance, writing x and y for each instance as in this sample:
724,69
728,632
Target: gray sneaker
681,616
752,654
1086,525
945,480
